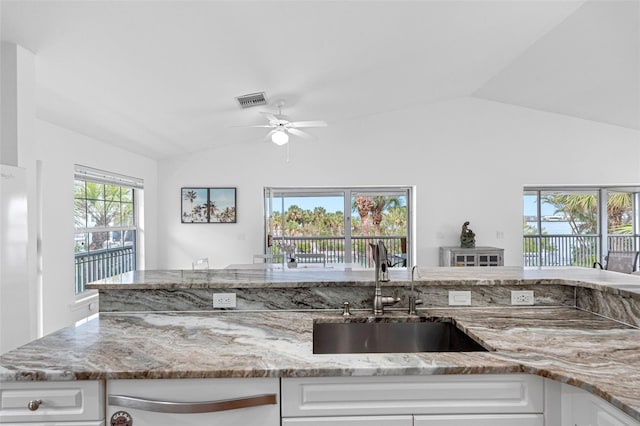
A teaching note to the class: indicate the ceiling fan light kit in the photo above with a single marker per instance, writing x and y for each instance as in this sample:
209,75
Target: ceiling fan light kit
281,127
280,137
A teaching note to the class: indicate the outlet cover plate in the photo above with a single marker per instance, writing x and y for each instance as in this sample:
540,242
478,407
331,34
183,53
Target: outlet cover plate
459,298
224,300
522,297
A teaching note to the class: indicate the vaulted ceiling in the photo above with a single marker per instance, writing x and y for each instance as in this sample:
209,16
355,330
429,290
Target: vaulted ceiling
161,77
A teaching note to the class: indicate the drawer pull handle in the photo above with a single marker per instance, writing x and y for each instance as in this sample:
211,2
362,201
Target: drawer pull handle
191,407
34,404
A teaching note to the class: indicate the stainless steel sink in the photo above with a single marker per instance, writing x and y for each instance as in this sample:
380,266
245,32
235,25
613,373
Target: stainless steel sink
426,335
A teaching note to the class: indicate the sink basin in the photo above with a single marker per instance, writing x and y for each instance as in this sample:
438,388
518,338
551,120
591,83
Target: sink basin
427,335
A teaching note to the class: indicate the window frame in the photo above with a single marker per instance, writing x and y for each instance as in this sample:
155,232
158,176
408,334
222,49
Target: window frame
135,185
602,233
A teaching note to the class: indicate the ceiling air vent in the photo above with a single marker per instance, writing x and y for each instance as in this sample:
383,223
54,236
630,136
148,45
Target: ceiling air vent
251,100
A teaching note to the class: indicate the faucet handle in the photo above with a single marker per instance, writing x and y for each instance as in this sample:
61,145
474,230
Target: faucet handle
345,310
413,301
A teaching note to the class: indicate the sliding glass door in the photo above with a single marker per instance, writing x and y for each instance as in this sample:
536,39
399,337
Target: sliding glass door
336,225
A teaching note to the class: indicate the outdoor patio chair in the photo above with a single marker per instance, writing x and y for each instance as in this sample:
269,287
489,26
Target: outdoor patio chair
620,261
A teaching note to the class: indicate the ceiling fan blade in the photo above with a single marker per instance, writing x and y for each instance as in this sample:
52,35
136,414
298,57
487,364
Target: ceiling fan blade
270,116
275,117
299,133
317,123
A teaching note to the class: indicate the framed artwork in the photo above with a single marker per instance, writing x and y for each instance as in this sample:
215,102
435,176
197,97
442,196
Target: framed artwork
208,205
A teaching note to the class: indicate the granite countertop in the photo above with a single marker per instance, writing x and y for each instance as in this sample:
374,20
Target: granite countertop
611,282
561,343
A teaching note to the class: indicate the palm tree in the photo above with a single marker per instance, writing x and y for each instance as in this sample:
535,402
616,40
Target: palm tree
395,221
619,212
380,204
295,214
191,197
363,205
581,211
210,209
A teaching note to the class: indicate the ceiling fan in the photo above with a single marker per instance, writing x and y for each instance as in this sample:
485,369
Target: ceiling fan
281,127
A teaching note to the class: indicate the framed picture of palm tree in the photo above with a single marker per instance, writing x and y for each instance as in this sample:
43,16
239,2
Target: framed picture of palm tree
208,205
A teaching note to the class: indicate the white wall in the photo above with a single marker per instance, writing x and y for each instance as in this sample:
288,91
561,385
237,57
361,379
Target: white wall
58,150
468,158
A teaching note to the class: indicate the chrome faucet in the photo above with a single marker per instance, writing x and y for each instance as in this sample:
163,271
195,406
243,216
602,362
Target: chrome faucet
413,300
381,275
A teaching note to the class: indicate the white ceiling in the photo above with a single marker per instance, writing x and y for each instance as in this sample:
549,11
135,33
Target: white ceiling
161,77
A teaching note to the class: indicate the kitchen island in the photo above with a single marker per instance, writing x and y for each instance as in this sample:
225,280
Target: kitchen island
567,344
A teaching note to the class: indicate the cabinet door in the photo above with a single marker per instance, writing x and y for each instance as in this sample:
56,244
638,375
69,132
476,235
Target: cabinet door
588,411
481,420
461,259
581,408
350,421
489,259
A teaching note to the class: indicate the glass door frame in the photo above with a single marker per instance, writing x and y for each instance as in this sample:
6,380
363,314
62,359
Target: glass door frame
347,193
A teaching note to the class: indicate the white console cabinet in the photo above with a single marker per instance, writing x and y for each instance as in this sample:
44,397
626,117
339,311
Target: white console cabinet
479,400
477,256
73,403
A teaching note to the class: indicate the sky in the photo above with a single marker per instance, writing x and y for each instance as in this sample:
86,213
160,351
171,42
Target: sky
530,207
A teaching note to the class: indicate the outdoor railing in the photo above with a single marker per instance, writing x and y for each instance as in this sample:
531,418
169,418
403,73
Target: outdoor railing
99,264
623,242
334,248
572,250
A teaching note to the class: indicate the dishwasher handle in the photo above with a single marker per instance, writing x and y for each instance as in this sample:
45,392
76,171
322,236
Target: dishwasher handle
191,407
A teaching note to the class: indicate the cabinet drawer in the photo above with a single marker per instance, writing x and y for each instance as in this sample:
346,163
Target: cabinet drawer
350,421
61,401
94,423
481,420
442,394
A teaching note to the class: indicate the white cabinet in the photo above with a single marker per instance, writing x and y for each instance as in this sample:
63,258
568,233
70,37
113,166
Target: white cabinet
350,421
194,402
477,256
430,400
481,420
580,408
73,403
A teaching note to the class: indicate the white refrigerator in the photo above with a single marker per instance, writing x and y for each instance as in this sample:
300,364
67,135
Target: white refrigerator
15,306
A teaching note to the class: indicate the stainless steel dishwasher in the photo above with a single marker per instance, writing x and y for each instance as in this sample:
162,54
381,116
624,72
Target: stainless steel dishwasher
193,402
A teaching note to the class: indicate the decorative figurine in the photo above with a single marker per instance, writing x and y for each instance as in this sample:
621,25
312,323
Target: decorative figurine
467,237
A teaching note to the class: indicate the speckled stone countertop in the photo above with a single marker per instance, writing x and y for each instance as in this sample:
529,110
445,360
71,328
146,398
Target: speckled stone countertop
562,343
434,276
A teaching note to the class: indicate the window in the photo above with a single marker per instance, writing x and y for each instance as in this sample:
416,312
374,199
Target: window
578,226
337,224
106,226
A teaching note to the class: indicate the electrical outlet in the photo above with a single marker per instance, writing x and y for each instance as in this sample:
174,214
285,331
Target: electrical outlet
224,300
459,298
522,297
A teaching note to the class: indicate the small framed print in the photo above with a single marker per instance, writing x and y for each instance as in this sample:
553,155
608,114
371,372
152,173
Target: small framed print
208,205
